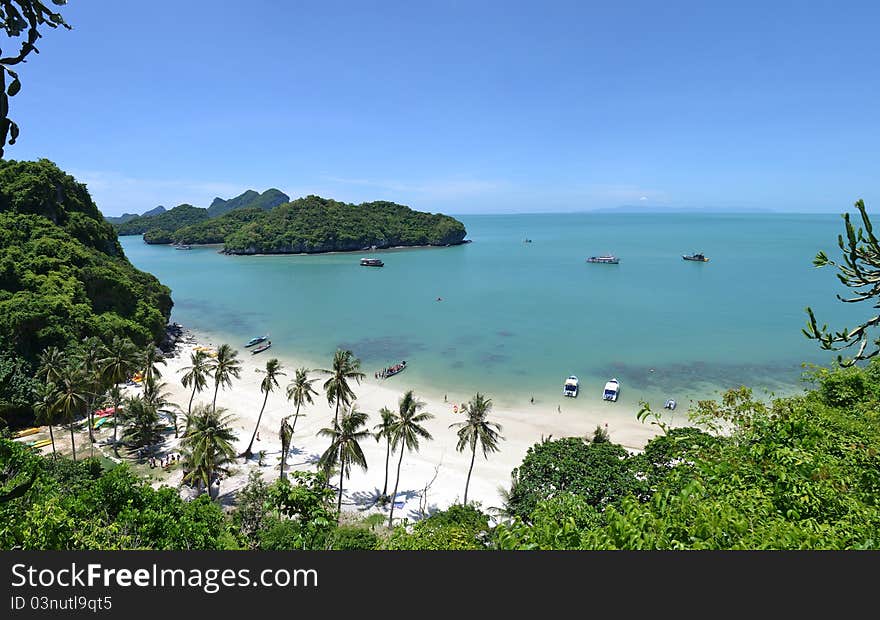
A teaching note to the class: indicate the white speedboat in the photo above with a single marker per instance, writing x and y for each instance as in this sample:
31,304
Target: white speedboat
612,390
570,387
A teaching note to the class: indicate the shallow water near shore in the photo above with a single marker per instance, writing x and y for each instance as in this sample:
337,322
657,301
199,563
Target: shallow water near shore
514,319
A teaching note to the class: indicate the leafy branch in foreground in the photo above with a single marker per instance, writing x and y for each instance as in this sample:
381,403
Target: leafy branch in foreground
860,271
16,17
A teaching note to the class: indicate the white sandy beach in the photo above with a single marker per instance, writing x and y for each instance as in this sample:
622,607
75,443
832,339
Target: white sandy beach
522,428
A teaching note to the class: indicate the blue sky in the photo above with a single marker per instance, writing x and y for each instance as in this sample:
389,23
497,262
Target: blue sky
462,107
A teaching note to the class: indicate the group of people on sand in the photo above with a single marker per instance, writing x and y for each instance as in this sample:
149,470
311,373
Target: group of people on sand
165,462
387,372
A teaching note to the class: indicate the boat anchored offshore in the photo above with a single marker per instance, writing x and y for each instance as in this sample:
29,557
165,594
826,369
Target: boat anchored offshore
608,259
256,340
391,370
612,390
570,387
261,348
371,262
696,256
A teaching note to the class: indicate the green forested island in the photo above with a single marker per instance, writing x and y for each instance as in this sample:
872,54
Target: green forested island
255,224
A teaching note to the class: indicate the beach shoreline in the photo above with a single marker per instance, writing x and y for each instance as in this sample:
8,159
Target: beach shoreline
437,465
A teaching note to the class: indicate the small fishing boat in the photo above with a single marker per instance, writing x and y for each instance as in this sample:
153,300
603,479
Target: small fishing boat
371,262
608,259
612,390
696,256
392,370
256,340
261,348
183,247
570,387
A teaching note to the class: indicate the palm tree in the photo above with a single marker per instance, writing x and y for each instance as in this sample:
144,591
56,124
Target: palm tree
89,355
285,434
405,432
121,362
196,374
267,385
208,444
151,357
45,407
384,430
142,425
345,367
300,390
477,429
345,449
51,364
72,398
225,367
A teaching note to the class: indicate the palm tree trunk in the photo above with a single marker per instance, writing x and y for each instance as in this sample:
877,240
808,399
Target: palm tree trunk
214,402
295,418
396,483
189,407
72,440
387,458
52,437
91,414
247,453
115,424
468,483
339,503
336,417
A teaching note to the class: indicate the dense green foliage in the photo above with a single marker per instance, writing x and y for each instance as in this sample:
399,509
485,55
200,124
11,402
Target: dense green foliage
600,473
17,385
81,506
458,528
63,275
216,229
163,224
250,199
315,224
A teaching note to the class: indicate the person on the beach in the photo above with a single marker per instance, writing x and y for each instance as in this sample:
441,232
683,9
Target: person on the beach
532,400
258,435
558,409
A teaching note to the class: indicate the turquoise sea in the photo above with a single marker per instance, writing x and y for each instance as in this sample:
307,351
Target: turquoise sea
515,319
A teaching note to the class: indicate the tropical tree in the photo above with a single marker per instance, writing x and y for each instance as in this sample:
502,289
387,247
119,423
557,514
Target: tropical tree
225,367
151,358
119,365
45,408
267,385
142,425
207,445
383,430
196,375
155,394
406,430
51,364
345,368
285,434
345,449
89,355
72,398
300,390
476,429
859,271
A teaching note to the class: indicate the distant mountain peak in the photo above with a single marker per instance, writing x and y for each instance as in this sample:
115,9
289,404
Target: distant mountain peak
267,200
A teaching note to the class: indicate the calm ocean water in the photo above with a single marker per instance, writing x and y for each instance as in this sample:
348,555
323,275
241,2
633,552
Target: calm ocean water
517,318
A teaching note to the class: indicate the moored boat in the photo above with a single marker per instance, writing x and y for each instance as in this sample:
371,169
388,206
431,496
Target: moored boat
371,262
696,256
391,370
261,348
570,387
256,340
612,390
608,259
183,247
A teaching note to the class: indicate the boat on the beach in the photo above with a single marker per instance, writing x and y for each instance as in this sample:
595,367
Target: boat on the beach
696,256
371,262
392,370
612,390
570,387
256,340
608,259
261,348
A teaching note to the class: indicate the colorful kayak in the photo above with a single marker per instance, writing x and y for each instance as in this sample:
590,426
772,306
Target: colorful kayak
27,431
41,443
100,422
